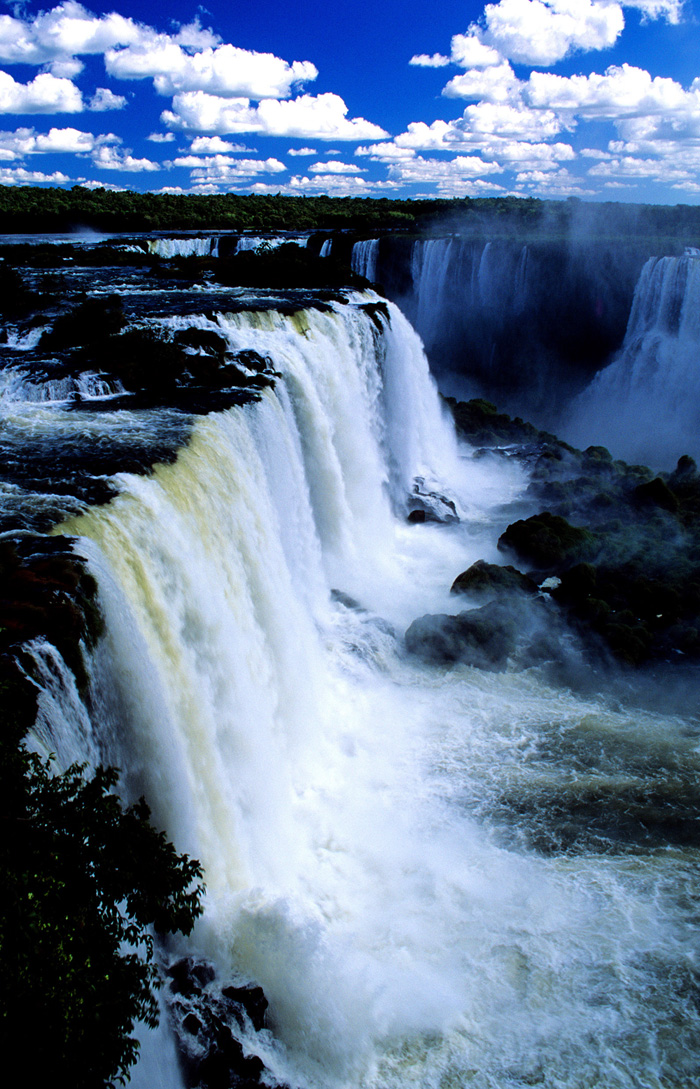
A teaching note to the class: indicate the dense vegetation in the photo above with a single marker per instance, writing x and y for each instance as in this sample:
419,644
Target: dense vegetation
35,209
86,880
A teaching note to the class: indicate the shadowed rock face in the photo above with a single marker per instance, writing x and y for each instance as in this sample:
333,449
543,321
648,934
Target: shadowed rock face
208,1017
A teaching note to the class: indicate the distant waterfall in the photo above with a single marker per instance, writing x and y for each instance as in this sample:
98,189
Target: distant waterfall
364,258
184,247
646,404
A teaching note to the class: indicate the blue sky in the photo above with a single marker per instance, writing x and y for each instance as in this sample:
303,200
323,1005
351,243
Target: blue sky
598,99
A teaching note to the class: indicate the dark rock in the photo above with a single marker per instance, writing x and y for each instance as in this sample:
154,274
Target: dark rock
656,493
479,637
491,580
207,1019
547,541
252,999
427,506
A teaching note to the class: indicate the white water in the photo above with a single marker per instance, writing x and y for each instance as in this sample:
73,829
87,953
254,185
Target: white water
646,405
364,258
184,247
254,242
333,788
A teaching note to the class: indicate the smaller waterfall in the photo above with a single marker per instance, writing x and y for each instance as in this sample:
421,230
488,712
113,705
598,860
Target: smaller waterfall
645,406
184,247
364,258
326,248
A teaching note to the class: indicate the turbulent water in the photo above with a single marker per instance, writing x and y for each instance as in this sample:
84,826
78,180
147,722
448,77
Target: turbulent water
440,876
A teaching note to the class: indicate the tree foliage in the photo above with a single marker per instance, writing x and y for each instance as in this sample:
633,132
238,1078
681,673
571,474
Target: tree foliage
85,880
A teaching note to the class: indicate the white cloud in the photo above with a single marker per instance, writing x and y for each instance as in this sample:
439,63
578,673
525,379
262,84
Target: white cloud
670,10
20,176
307,117
69,67
161,137
61,33
112,158
226,70
335,185
468,51
111,187
302,151
558,184
386,153
221,168
422,60
334,167
545,31
623,91
497,83
104,99
461,176
45,94
55,36
211,145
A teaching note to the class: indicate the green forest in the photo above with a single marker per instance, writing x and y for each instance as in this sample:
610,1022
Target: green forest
35,209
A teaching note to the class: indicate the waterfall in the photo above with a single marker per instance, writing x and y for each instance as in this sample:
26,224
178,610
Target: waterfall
645,404
184,247
252,242
364,258
365,822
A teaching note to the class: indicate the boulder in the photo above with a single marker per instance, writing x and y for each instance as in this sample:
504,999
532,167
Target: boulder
491,580
482,637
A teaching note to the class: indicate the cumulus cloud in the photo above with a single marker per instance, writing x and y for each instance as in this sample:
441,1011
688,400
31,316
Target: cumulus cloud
318,118
45,94
461,176
621,91
104,99
469,51
70,29
335,167
386,153
542,32
20,176
113,158
302,151
422,60
23,142
497,83
223,166
161,137
334,185
211,145
226,70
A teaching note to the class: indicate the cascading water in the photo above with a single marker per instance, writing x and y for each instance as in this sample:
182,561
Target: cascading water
645,406
364,258
369,825
184,247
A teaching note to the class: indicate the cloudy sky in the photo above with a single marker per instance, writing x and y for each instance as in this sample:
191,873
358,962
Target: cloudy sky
592,98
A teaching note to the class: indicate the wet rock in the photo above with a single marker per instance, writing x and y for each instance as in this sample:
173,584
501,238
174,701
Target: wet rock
547,541
482,637
490,580
428,506
209,1020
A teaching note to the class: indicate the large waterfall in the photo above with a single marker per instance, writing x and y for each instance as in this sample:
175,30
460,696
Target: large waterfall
417,863
645,405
